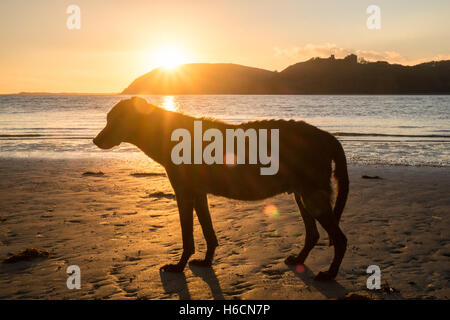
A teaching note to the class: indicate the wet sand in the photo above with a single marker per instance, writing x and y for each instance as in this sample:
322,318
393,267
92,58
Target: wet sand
120,227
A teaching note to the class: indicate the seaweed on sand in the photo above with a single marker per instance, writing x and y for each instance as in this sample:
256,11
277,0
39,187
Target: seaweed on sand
27,255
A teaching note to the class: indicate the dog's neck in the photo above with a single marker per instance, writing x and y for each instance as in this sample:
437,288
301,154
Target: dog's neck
151,134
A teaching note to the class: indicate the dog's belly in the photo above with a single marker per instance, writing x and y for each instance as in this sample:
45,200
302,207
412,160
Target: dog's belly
244,183
243,194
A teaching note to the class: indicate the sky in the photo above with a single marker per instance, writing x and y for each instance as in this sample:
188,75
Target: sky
119,40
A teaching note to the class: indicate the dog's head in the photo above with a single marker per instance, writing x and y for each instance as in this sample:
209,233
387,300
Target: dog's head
121,122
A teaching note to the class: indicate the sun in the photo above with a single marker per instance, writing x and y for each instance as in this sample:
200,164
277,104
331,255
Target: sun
169,57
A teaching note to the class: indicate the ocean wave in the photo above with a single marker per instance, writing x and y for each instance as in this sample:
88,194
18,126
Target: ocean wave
358,134
48,128
20,135
337,134
40,136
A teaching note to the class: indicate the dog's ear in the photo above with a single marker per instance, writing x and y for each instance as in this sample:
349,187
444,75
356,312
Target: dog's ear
141,105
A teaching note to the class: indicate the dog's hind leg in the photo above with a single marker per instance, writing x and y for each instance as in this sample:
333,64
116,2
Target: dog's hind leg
311,237
329,222
204,217
185,203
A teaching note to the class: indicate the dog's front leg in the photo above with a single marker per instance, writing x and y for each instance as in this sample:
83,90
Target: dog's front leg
185,208
204,217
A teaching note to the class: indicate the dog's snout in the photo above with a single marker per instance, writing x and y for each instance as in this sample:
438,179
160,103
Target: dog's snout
104,141
98,141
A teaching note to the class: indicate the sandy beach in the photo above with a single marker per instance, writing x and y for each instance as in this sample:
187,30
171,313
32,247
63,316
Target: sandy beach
120,227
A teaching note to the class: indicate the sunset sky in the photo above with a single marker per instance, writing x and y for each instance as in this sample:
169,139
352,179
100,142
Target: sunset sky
120,40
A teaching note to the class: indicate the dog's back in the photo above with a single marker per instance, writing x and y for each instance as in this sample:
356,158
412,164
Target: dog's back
305,155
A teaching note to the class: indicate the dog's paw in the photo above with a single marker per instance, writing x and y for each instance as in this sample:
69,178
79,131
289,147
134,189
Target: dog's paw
324,276
292,261
172,268
200,263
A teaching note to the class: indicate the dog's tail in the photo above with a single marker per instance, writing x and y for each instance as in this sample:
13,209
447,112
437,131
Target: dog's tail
341,176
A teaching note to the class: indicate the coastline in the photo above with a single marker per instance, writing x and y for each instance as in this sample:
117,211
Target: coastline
120,227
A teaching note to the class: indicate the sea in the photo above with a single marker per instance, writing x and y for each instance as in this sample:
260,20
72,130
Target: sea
380,129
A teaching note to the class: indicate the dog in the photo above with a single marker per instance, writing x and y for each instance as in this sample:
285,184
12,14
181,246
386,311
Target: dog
306,155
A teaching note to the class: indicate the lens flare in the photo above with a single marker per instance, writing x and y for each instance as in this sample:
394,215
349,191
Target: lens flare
271,210
300,268
230,159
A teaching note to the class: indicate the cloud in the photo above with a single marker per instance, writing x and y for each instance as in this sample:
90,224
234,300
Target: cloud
325,50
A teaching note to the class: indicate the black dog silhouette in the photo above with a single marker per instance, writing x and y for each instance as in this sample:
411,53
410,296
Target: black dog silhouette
306,154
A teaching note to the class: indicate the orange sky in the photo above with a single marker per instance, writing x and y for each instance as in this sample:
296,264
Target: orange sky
118,42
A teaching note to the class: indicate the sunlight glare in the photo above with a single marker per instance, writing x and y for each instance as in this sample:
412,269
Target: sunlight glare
169,57
169,103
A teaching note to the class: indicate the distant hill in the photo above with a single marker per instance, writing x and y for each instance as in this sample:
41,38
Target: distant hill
65,93
315,76
203,78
